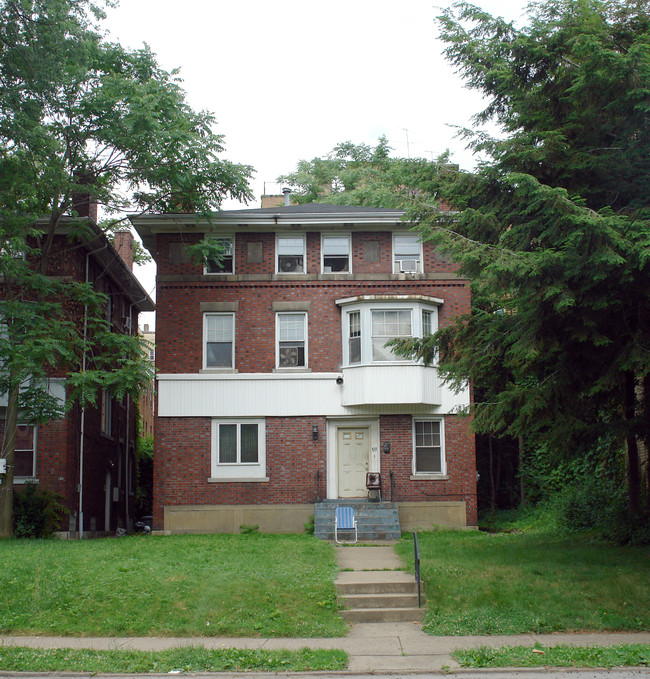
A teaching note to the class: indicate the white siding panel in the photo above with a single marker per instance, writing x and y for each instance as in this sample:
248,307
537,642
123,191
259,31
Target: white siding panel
366,389
248,395
391,384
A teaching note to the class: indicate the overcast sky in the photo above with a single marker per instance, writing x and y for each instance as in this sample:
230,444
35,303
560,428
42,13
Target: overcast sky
289,80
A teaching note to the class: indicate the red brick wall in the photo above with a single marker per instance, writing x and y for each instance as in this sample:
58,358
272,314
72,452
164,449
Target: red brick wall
180,319
459,456
183,457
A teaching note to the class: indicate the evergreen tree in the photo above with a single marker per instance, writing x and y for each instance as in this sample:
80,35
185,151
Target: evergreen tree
554,230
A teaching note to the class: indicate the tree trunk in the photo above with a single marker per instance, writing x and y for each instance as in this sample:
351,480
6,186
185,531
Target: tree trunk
522,492
8,452
493,501
633,477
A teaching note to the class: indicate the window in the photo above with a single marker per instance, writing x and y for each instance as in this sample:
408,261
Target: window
387,325
369,323
218,338
226,263
25,451
106,412
354,336
428,447
427,322
407,253
291,254
238,449
336,254
291,340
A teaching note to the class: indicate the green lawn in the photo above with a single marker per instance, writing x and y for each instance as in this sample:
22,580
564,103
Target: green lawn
513,583
194,585
624,655
176,660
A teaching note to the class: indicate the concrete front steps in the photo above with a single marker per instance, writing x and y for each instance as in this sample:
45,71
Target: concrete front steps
379,596
375,520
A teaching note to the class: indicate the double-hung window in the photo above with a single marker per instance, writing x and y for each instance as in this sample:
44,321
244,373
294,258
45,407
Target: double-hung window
407,253
25,451
238,449
354,336
291,254
218,340
291,340
388,325
225,263
428,447
336,253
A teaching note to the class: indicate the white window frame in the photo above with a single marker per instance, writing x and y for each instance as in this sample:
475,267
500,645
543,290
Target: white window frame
305,340
365,309
230,238
232,471
292,236
21,478
443,462
206,316
401,258
340,236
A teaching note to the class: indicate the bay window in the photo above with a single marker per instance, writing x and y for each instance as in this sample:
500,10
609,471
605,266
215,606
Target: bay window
369,322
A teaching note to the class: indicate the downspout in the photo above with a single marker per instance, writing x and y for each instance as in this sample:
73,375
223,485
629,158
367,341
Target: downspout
83,407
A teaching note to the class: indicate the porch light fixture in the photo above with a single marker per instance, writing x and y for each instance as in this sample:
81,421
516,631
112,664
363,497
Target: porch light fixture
314,432
387,447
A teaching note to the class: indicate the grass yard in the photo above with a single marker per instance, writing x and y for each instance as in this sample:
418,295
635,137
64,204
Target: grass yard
193,585
173,661
624,655
514,583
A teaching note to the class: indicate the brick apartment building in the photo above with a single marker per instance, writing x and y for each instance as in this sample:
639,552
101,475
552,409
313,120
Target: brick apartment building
94,472
275,388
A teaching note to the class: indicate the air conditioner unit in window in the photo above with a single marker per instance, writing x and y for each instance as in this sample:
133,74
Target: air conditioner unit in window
408,265
290,264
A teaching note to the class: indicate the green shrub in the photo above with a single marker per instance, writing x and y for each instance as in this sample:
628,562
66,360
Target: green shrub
37,513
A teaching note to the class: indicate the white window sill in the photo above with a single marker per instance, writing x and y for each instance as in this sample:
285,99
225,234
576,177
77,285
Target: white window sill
22,480
220,371
292,370
263,479
429,477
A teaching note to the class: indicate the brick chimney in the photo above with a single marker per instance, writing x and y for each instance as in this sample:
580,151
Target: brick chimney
124,245
84,206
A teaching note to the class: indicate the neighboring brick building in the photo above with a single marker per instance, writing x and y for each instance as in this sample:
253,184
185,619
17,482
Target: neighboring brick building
275,389
93,472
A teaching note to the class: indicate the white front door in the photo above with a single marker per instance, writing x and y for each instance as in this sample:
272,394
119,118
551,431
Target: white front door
353,446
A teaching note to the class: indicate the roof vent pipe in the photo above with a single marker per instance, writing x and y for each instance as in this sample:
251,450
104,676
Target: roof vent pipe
287,196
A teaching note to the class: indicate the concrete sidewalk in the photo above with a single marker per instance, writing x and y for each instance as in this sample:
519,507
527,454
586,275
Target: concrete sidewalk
373,647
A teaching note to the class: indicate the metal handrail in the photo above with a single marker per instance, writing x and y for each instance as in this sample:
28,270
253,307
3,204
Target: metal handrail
416,549
391,476
317,476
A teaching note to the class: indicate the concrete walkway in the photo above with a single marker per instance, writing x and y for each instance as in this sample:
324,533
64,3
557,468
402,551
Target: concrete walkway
372,647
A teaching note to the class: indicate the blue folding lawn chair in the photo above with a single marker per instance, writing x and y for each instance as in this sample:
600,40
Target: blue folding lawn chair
344,521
